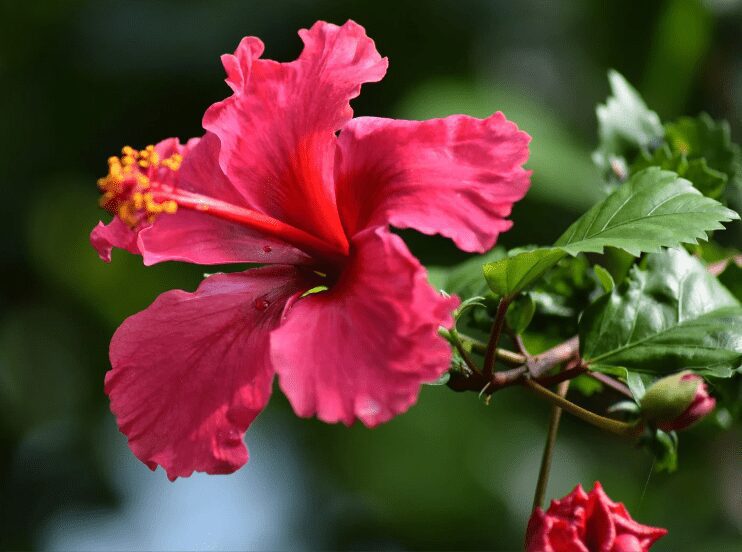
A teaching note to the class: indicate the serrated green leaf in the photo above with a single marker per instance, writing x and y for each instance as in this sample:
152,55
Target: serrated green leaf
710,182
626,125
699,149
702,137
654,209
668,316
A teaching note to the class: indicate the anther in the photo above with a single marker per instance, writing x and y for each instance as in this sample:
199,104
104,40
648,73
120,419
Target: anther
127,189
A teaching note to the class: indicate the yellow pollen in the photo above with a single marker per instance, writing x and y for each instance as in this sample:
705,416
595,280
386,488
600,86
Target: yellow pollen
127,188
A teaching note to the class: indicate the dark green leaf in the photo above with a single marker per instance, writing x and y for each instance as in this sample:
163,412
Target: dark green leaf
703,138
520,313
710,182
668,316
654,209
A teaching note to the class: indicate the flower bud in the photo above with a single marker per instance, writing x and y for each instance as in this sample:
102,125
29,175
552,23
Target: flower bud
677,401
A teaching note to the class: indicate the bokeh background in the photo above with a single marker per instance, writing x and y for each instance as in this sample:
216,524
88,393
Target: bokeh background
81,78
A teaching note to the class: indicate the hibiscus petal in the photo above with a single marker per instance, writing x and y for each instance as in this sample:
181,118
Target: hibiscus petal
192,371
277,130
537,532
200,238
105,237
457,176
626,526
362,349
600,529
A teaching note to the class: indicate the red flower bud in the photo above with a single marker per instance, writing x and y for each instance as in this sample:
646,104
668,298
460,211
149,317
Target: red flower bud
677,401
588,522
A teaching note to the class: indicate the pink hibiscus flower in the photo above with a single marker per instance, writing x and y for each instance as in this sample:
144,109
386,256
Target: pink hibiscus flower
272,182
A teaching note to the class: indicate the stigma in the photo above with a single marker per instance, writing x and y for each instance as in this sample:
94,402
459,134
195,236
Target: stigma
129,189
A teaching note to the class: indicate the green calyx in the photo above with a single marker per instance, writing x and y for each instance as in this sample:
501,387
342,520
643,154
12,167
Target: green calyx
669,397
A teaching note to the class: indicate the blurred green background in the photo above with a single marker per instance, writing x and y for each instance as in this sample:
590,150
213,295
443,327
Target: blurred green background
79,79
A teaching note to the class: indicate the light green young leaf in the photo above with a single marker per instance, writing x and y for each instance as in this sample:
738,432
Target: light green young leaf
508,277
654,209
606,280
668,316
626,125
465,278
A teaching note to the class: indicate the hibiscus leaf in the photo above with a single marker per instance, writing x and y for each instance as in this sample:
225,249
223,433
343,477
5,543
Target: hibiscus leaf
710,182
703,138
508,277
464,279
669,315
626,126
654,209
605,278
699,149
520,313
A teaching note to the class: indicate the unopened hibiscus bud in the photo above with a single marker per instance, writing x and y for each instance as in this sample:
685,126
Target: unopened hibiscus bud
677,401
582,522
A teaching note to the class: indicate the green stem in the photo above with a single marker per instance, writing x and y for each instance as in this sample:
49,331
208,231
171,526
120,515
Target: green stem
551,435
613,426
468,360
511,358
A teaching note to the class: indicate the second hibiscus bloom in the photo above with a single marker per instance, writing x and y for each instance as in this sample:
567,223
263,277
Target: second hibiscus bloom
343,314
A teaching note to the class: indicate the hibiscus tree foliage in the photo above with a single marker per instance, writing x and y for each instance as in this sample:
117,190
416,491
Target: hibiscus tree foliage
638,300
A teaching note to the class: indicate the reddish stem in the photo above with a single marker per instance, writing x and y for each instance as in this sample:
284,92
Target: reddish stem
491,353
540,364
612,383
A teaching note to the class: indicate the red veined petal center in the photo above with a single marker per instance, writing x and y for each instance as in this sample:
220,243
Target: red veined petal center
140,187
